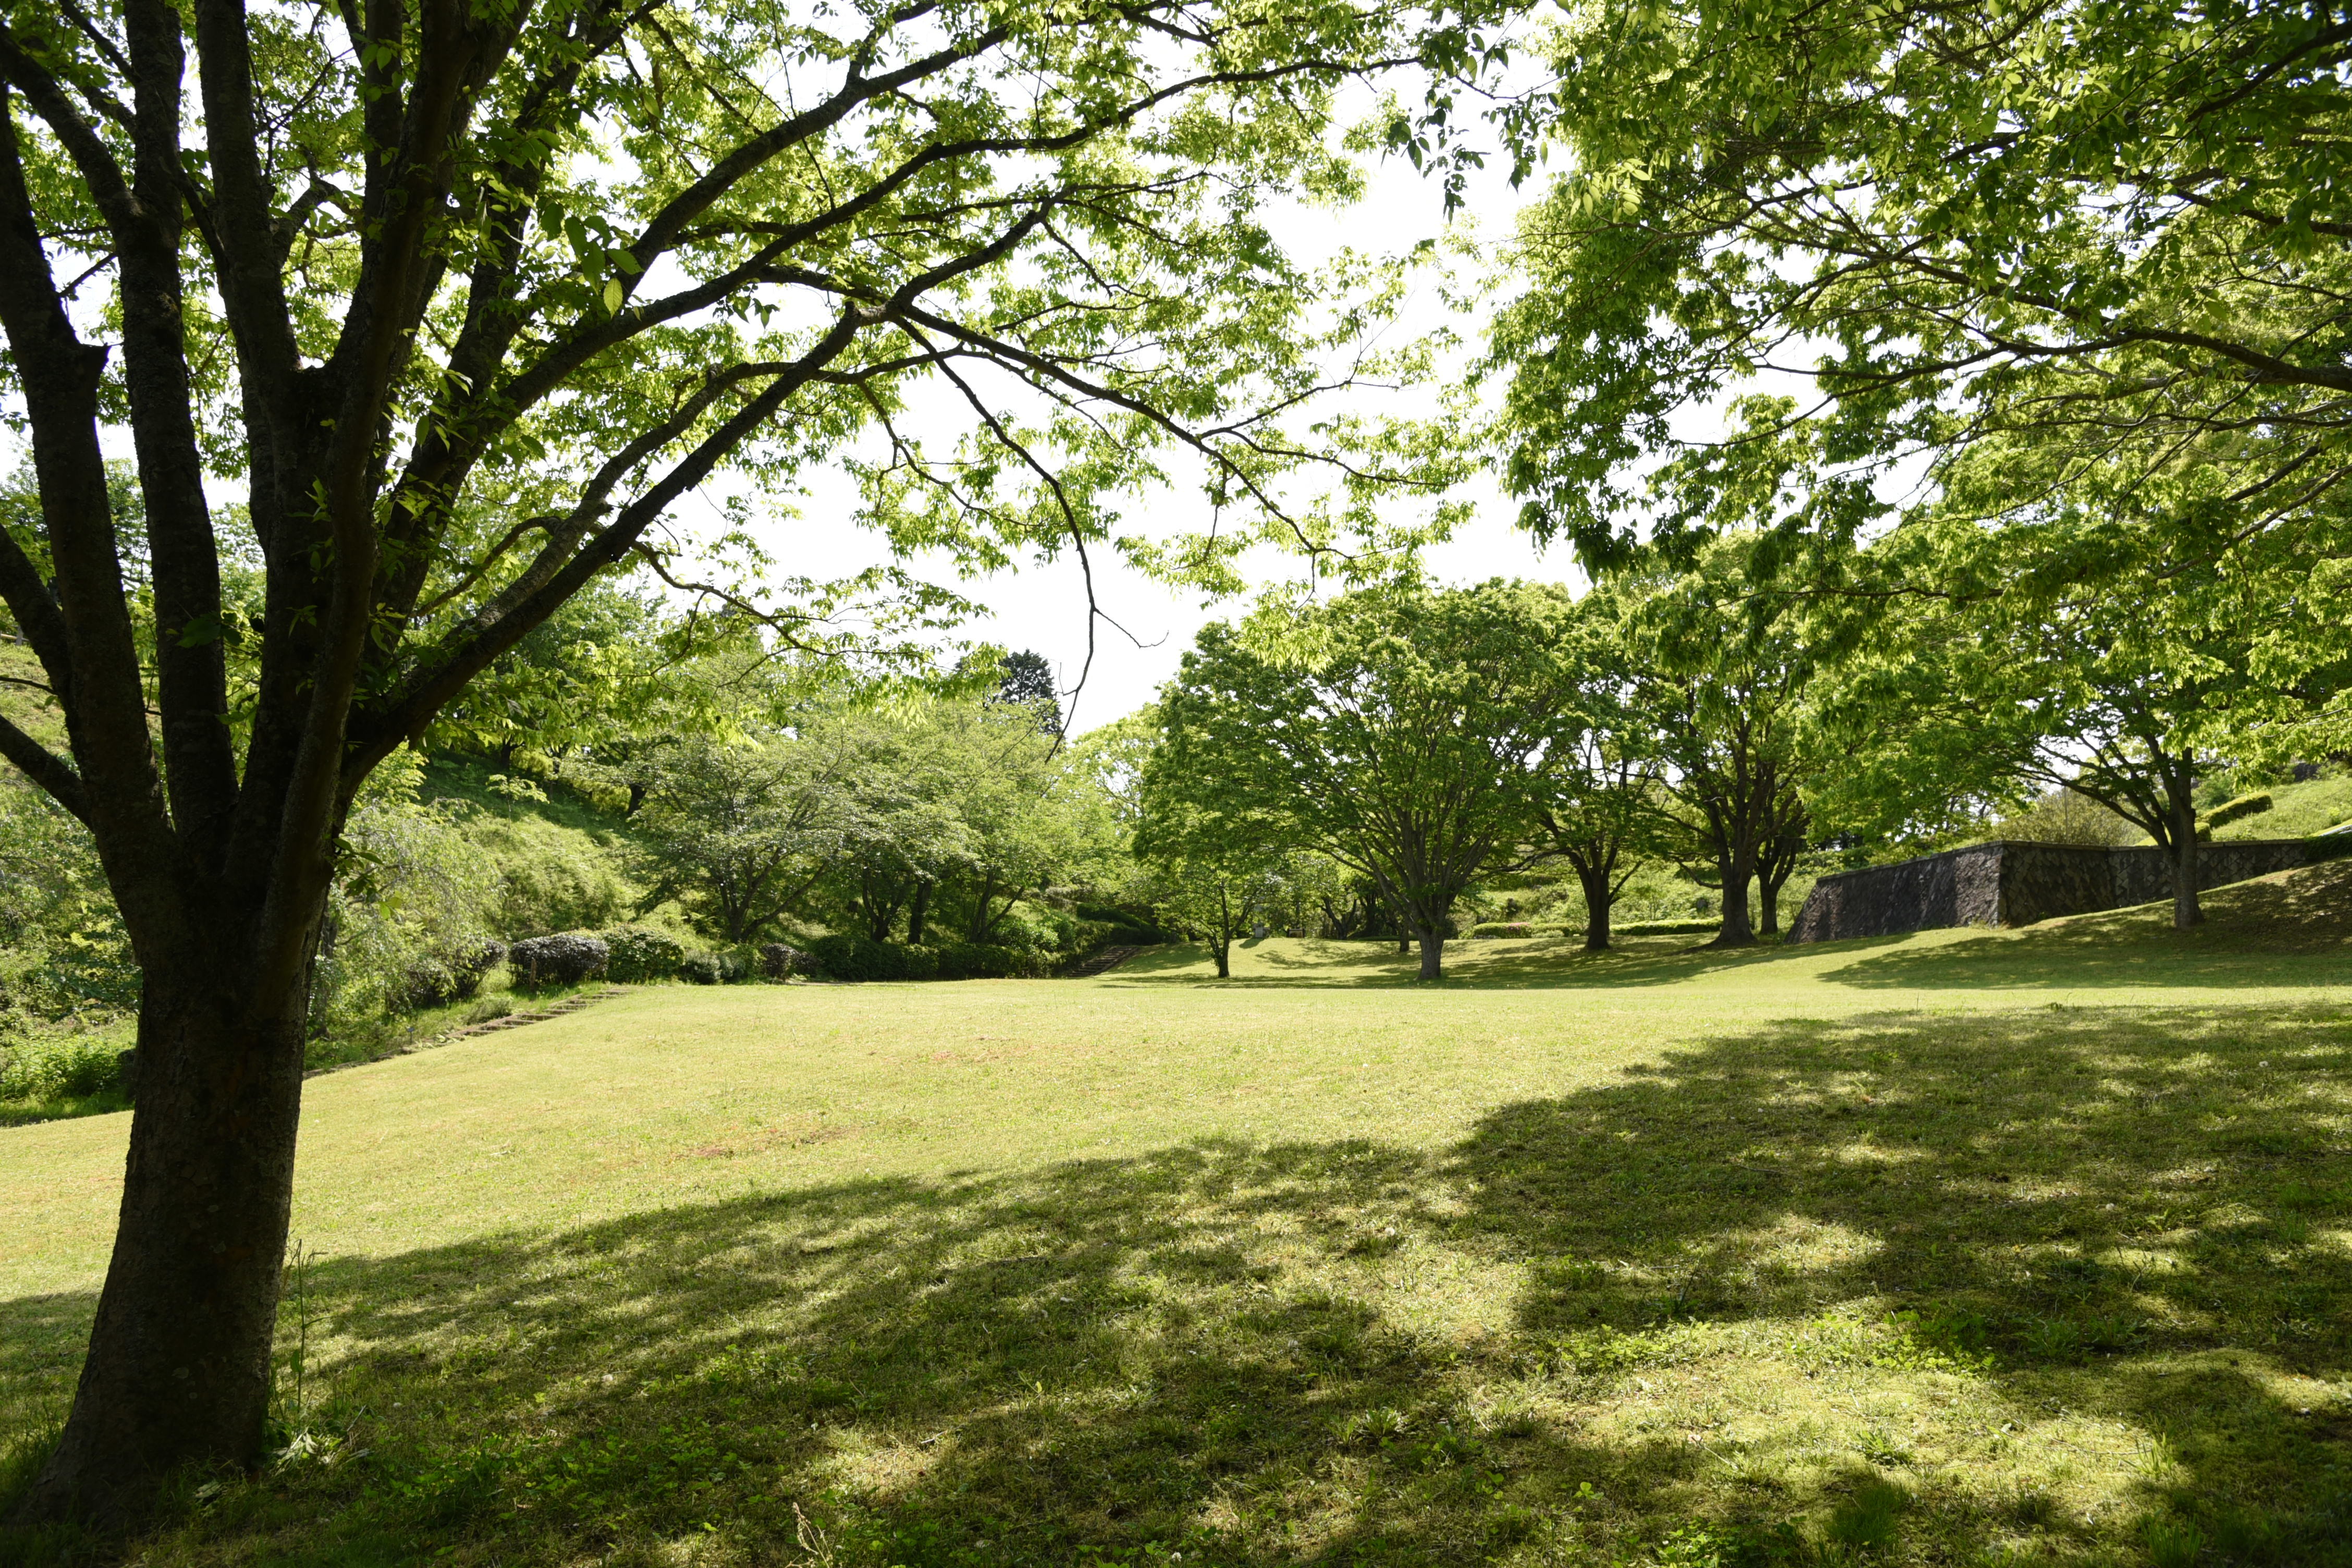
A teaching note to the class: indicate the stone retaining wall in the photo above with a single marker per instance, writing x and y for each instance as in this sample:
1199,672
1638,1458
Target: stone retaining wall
2007,883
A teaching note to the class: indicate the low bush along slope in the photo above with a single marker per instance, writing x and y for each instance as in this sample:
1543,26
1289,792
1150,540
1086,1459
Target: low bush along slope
2297,811
1928,1249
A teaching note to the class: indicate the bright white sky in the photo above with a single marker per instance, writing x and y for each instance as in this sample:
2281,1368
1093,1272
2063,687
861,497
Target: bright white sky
1042,607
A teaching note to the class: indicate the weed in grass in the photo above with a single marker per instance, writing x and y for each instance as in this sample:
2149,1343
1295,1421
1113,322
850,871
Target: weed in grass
290,1395
1731,1546
2112,1333
1374,1429
2054,1339
489,1009
2172,1543
1866,1523
1882,1450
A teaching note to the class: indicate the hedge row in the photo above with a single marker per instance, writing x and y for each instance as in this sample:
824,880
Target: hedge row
848,956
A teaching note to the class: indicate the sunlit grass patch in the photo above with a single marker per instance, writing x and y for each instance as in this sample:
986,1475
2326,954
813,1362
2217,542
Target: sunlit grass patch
1721,1272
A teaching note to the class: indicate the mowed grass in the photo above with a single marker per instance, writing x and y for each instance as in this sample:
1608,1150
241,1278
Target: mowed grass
1967,1247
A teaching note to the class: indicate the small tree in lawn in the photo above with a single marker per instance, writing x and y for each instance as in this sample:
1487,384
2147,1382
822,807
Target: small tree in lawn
1412,734
1213,857
1217,897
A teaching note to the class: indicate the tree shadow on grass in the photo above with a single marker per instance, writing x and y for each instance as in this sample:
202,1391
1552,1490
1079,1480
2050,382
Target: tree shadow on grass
2138,1215
2052,1275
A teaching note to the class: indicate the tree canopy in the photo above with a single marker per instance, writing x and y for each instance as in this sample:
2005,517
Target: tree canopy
2118,229
1408,733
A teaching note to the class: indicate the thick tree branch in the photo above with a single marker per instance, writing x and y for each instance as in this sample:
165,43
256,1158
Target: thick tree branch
52,773
200,767
105,714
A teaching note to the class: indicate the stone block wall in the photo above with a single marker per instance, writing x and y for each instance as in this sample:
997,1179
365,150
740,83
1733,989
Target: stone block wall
2006,883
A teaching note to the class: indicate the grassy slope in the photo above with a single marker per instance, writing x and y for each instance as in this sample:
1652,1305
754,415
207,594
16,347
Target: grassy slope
449,777
2297,811
1558,1258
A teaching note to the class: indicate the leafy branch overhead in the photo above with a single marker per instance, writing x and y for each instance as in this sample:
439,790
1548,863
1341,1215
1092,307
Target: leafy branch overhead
2118,233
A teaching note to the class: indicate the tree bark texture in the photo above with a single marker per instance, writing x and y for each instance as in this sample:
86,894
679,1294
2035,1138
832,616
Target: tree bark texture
1599,884
1432,954
1738,929
178,1371
2186,910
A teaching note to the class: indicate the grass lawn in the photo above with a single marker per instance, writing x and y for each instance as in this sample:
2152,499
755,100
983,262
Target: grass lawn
1964,1248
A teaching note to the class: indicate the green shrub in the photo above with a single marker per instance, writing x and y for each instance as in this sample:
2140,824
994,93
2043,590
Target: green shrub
986,961
450,973
640,953
702,969
1503,928
2230,811
782,960
1666,928
567,958
848,956
61,1067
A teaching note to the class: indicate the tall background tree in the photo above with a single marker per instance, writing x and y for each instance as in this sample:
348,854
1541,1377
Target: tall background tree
418,320
1409,734
1720,669
1602,814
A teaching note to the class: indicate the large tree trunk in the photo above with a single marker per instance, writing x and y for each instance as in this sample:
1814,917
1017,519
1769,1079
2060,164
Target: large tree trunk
178,1371
1598,895
1768,895
1432,953
917,913
1739,872
2185,910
